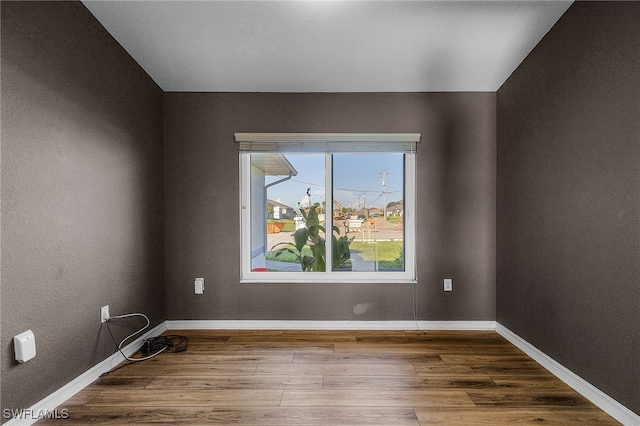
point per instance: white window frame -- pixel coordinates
(329, 144)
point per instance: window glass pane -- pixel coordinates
(287, 212)
(368, 200)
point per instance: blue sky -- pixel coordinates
(357, 179)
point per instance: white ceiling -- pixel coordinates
(328, 46)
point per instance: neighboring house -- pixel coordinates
(396, 210)
(262, 165)
(280, 211)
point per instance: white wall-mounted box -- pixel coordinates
(24, 346)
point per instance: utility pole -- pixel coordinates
(364, 204)
(383, 176)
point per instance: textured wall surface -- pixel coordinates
(568, 215)
(82, 193)
(456, 204)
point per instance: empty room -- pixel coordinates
(320, 212)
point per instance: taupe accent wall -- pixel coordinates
(82, 194)
(568, 190)
(455, 202)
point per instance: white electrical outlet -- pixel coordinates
(104, 313)
(199, 285)
(448, 284)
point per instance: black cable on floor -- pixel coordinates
(151, 347)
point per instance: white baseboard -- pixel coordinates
(584, 388)
(327, 325)
(57, 398)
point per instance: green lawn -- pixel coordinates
(388, 254)
(381, 250)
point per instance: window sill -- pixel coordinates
(327, 280)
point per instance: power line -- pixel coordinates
(335, 187)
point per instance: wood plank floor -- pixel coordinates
(334, 378)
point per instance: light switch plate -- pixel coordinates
(199, 285)
(448, 284)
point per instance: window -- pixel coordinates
(327, 207)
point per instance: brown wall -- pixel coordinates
(568, 215)
(456, 204)
(82, 193)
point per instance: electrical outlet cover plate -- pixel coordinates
(104, 313)
(448, 284)
(199, 285)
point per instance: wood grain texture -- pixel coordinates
(406, 382)
(375, 398)
(278, 377)
(187, 398)
(512, 416)
(296, 381)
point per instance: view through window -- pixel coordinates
(327, 207)
(364, 207)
